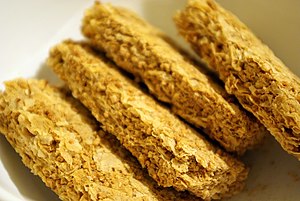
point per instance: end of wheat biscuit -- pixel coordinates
(136, 46)
(61, 142)
(173, 153)
(260, 81)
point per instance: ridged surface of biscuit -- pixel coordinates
(250, 70)
(173, 153)
(143, 50)
(61, 142)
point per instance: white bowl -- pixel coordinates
(29, 28)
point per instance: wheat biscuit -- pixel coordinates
(172, 152)
(61, 142)
(143, 50)
(250, 70)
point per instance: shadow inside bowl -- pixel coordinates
(46, 73)
(30, 186)
(163, 16)
(273, 175)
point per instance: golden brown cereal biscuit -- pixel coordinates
(173, 153)
(143, 50)
(250, 70)
(61, 142)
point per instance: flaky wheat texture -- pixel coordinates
(173, 153)
(141, 49)
(60, 141)
(250, 70)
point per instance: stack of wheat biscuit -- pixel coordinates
(139, 48)
(104, 136)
